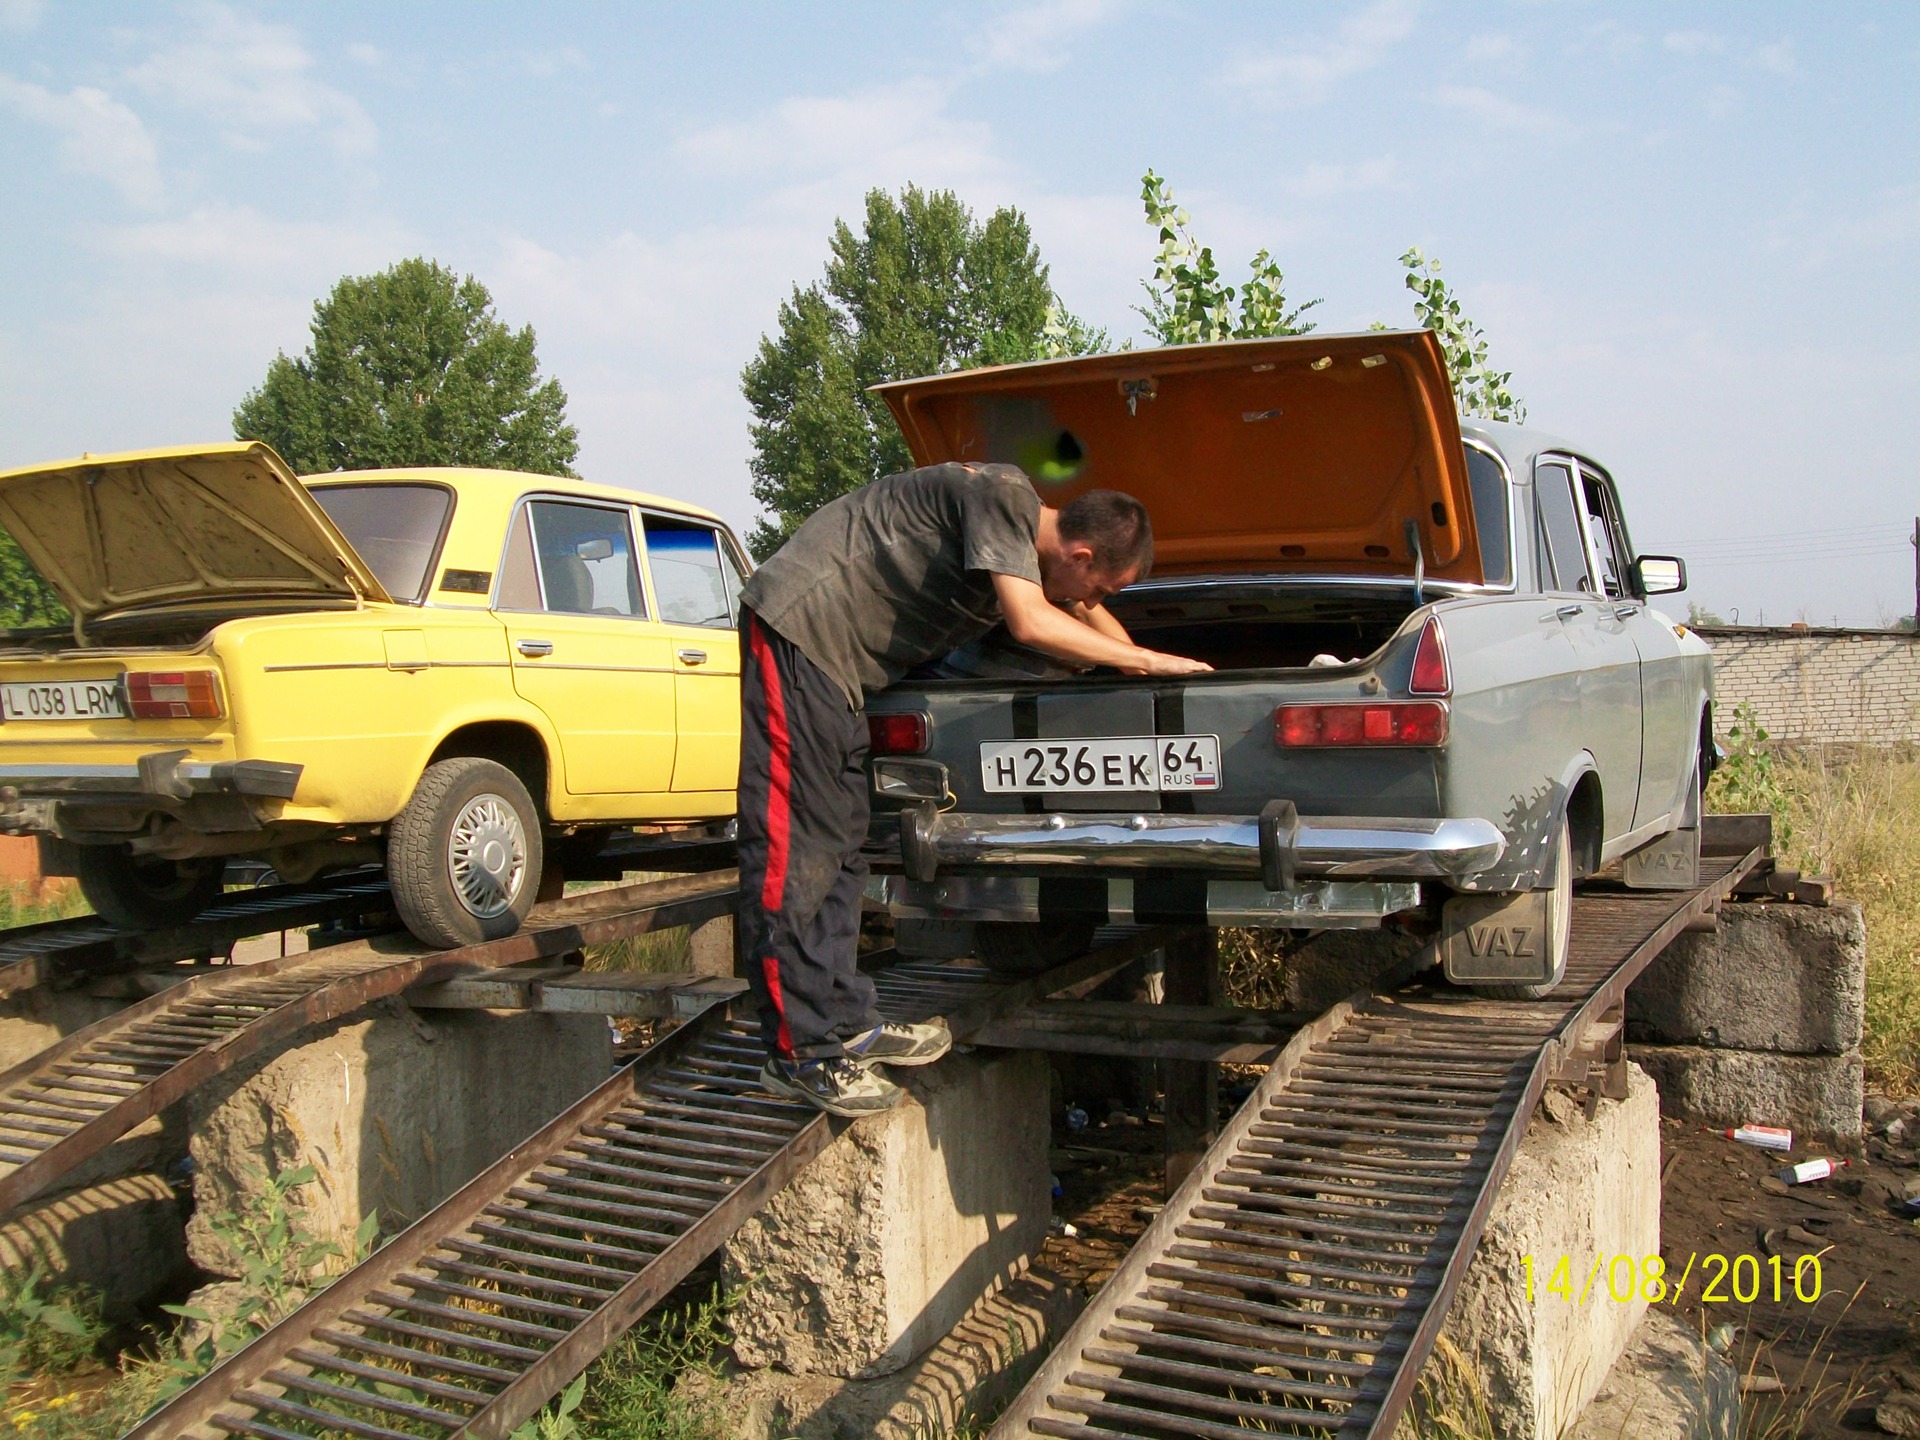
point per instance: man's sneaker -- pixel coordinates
(838, 1086)
(892, 1044)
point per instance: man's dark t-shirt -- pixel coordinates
(900, 571)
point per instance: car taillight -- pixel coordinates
(898, 734)
(173, 695)
(1387, 722)
(1431, 673)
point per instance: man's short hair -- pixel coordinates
(1115, 526)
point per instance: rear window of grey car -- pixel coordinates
(396, 529)
(1492, 517)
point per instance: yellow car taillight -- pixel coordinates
(174, 695)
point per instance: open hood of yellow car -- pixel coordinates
(1311, 453)
(182, 527)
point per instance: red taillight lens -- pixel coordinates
(904, 734)
(1431, 673)
(1392, 722)
(174, 695)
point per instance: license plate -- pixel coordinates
(63, 700)
(1068, 767)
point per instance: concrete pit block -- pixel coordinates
(887, 1239)
(1785, 978)
(1335, 963)
(1585, 1190)
(124, 1239)
(1817, 1095)
(32, 1020)
(1668, 1386)
(395, 1108)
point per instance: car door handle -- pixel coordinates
(692, 657)
(1625, 612)
(1567, 612)
(534, 647)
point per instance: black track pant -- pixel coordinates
(803, 815)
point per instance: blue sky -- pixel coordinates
(1689, 230)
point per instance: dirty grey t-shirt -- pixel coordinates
(900, 571)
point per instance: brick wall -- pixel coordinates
(1816, 686)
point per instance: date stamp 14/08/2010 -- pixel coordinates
(1621, 1279)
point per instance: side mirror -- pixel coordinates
(1659, 574)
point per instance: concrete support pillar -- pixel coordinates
(395, 1108)
(888, 1238)
(1586, 1192)
(710, 948)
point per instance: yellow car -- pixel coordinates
(459, 671)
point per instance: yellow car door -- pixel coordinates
(696, 587)
(583, 647)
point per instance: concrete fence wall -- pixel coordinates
(1818, 686)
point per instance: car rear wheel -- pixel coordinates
(1559, 927)
(464, 856)
(143, 892)
(1027, 947)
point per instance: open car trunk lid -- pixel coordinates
(1311, 454)
(191, 527)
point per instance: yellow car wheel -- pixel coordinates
(141, 892)
(464, 856)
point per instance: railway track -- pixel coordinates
(1298, 1279)
(473, 1318)
(70, 1101)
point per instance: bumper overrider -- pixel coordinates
(163, 778)
(1277, 845)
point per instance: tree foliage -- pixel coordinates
(923, 287)
(1187, 300)
(1478, 388)
(26, 601)
(411, 367)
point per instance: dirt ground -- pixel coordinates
(1834, 1360)
(1814, 1369)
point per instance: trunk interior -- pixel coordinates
(1231, 625)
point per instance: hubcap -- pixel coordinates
(487, 856)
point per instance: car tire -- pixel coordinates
(464, 856)
(1559, 926)
(142, 892)
(1027, 947)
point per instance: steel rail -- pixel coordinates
(474, 1317)
(70, 1101)
(1301, 1274)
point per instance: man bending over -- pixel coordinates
(895, 574)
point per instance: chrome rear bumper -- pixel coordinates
(1275, 845)
(168, 774)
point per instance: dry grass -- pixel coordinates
(1856, 816)
(32, 904)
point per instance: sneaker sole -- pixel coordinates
(776, 1086)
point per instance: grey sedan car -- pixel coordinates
(1440, 691)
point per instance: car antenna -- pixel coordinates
(1412, 531)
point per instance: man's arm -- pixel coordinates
(1101, 619)
(1034, 620)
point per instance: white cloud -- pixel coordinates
(1036, 38)
(98, 135)
(252, 80)
(1487, 49)
(1777, 58)
(238, 239)
(371, 56)
(1694, 42)
(1320, 179)
(1309, 75)
(562, 60)
(1498, 112)
(884, 136)
(21, 14)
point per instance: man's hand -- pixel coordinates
(1034, 620)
